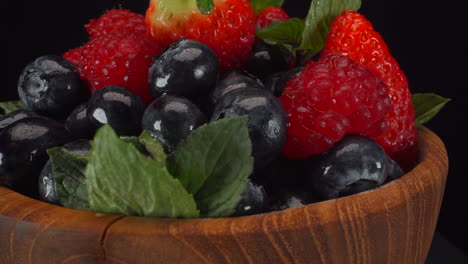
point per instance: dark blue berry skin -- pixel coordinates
(267, 121)
(46, 183)
(353, 165)
(253, 200)
(23, 146)
(12, 117)
(78, 123)
(185, 68)
(291, 199)
(267, 59)
(233, 81)
(119, 107)
(50, 86)
(171, 119)
(276, 83)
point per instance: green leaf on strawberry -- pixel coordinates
(318, 20)
(258, 5)
(205, 6)
(214, 164)
(10, 106)
(427, 105)
(286, 33)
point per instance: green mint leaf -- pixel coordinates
(69, 170)
(258, 5)
(214, 164)
(205, 6)
(154, 148)
(287, 32)
(10, 106)
(318, 20)
(122, 180)
(427, 105)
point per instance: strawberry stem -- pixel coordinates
(205, 6)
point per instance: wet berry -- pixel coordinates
(119, 107)
(46, 183)
(290, 199)
(23, 146)
(51, 86)
(276, 82)
(267, 59)
(355, 164)
(171, 119)
(267, 120)
(234, 81)
(78, 123)
(12, 117)
(185, 68)
(253, 200)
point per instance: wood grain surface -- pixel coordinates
(392, 224)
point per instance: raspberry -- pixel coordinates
(329, 99)
(270, 14)
(117, 20)
(121, 59)
(353, 36)
(73, 55)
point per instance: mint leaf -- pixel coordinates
(214, 164)
(10, 106)
(426, 106)
(205, 6)
(258, 5)
(69, 170)
(287, 32)
(122, 180)
(154, 148)
(318, 20)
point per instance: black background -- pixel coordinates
(422, 35)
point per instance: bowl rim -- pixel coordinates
(432, 166)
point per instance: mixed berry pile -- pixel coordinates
(331, 125)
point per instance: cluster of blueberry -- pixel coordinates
(190, 91)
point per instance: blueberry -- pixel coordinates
(267, 59)
(171, 119)
(355, 164)
(119, 107)
(277, 82)
(290, 199)
(232, 82)
(12, 117)
(23, 146)
(46, 182)
(186, 68)
(267, 121)
(78, 123)
(253, 200)
(51, 86)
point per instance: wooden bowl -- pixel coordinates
(392, 224)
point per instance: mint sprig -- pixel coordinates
(427, 105)
(122, 180)
(258, 5)
(214, 164)
(307, 37)
(10, 106)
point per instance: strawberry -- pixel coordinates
(229, 29)
(269, 15)
(116, 20)
(352, 35)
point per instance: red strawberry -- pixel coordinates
(117, 20)
(271, 14)
(116, 59)
(329, 99)
(229, 30)
(352, 35)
